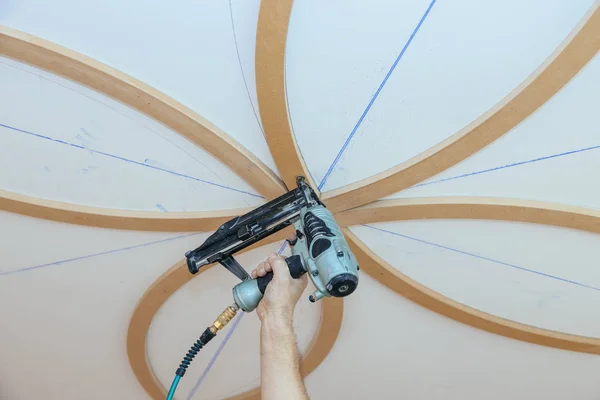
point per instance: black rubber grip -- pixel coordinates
(263, 281)
(295, 265)
(296, 271)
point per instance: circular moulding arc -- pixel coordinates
(563, 64)
(469, 208)
(67, 63)
(175, 278)
(115, 219)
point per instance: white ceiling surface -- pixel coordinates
(64, 323)
(65, 314)
(123, 159)
(466, 56)
(190, 310)
(567, 123)
(186, 50)
(537, 275)
(64, 326)
(390, 348)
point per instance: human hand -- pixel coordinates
(283, 292)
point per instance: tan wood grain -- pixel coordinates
(116, 219)
(566, 61)
(488, 208)
(91, 73)
(271, 36)
(390, 277)
(553, 74)
(469, 208)
(173, 280)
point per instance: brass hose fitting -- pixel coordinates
(224, 318)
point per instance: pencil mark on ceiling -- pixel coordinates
(154, 163)
(137, 246)
(374, 97)
(466, 253)
(115, 110)
(161, 207)
(237, 52)
(85, 142)
(130, 161)
(215, 356)
(223, 343)
(86, 133)
(515, 164)
(287, 106)
(88, 169)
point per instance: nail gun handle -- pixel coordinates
(296, 271)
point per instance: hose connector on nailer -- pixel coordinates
(224, 318)
(210, 332)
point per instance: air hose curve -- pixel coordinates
(196, 347)
(210, 332)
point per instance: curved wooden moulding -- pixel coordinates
(175, 278)
(271, 36)
(470, 208)
(489, 208)
(115, 219)
(566, 61)
(86, 71)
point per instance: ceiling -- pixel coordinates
(130, 130)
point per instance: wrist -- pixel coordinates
(278, 318)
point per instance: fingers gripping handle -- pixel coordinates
(263, 281)
(296, 271)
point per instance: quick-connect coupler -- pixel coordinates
(224, 318)
(210, 332)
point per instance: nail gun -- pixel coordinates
(319, 249)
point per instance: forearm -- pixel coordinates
(280, 360)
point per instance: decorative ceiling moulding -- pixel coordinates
(128, 90)
(382, 211)
(158, 293)
(488, 208)
(469, 208)
(581, 45)
(115, 219)
(271, 37)
(566, 61)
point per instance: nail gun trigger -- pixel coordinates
(234, 267)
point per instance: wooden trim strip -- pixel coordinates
(175, 278)
(568, 59)
(271, 37)
(470, 208)
(115, 219)
(489, 208)
(89, 72)
(390, 277)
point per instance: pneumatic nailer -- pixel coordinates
(319, 249)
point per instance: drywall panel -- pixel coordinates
(455, 61)
(62, 141)
(533, 274)
(76, 288)
(186, 50)
(66, 296)
(244, 20)
(551, 156)
(190, 310)
(390, 348)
